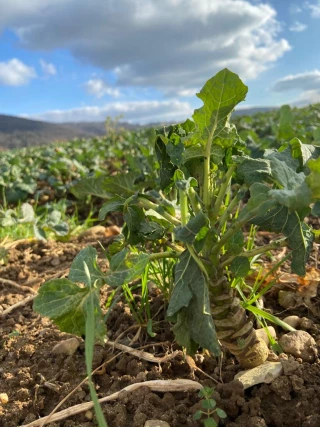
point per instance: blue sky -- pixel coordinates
(72, 60)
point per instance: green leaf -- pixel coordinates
(197, 415)
(190, 307)
(235, 244)
(106, 187)
(39, 232)
(303, 152)
(206, 392)
(316, 209)
(77, 272)
(61, 229)
(209, 404)
(113, 205)
(220, 95)
(66, 304)
(175, 152)
(210, 422)
(240, 266)
(126, 266)
(123, 184)
(134, 218)
(167, 168)
(28, 214)
(253, 170)
(259, 202)
(151, 230)
(221, 414)
(286, 130)
(188, 233)
(313, 179)
(54, 218)
(157, 217)
(197, 151)
(91, 186)
(300, 237)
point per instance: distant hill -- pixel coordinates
(17, 132)
(253, 110)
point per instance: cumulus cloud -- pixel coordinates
(100, 88)
(166, 45)
(307, 97)
(315, 9)
(298, 27)
(309, 80)
(133, 112)
(15, 73)
(48, 68)
(306, 84)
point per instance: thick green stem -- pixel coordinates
(183, 201)
(147, 204)
(207, 184)
(257, 251)
(193, 198)
(222, 194)
(225, 216)
(166, 254)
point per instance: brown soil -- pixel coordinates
(36, 380)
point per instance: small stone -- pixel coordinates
(55, 262)
(293, 321)
(4, 399)
(299, 344)
(112, 230)
(67, 347)
(286, 299)
(156, 423)
(262, 334)
(306, 324)
(93, 232)
(289, 366)
(264, 373)
(89, 415)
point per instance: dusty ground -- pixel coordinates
(36, 380)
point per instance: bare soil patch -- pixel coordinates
(36, 380)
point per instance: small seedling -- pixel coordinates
(209, 409)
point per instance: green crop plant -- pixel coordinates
(208, 191)
(209, 409)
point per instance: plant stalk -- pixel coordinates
(222, 194)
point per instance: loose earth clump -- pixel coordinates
(36, 379)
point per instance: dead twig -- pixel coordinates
(143, 354)
(16, 286)
(17, 305)
(162, 386)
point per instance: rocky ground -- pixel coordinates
(40, 366)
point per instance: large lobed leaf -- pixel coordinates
(189, 308)
(220, 95)
(66, 304)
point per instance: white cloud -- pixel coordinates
(306, 84)
(15, 73)
(133, 112)
(309, 80)
(298, 27)
(99, 88)
(165, 45)
(307, 97)
(48, 68)
(294, 8)
(315, 9)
